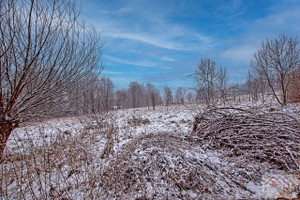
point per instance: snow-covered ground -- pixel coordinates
(125, 154)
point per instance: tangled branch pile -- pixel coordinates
(264, 138)
(168, 166)
(138, 121)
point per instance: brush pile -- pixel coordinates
(265, 138)
(168, 166)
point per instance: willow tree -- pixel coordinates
(44, 51)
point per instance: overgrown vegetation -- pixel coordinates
(217, 157)
(265, 137)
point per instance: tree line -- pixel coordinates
(274, 70)
(99, 95)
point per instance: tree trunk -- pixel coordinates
(5, 131)
(153, 100)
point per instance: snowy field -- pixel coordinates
(141, 154)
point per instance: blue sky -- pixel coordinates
(162, 41)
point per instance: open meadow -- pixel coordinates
(175, 152)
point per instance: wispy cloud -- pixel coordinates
(143, 38)
(175, 38)
(156, 38)
(135, 63)
(110, 72)
(239, 54)
(137, 24)
(281, 21)
(228, 10)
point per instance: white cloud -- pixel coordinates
(281, 21)
(241, 54)
(136, 24)
(142, 38)
(135, 63)
(228, 10)
(110, 72)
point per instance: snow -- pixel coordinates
(152, 143)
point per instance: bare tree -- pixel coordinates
(235, 92)
(107, 93)
(149, 90)
(85, 97)
(222, 84)
(151, 93)
(205, 77)
(180, 95)
(276, 60)
(190, 97)
(294, 89)
(121, 99)
(262, 86)
(156, 99)
(252, 87)
(88, 95)
(168, 95)
(136, 94)
(153, 99)
(256, 86)
(44, 51)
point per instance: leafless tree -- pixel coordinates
(222, 84)
(294, 88)
(44, 51)
(151, 93)
(168, 95)
(180, 95)
(262, 86)
(205, 77)
(84, 97)
(256, 86)
(136, 94)
(235, 92)
(153, 99)
(156, 99)
(87, 95)
(107, 93)
(252, 87)
(190, 97)
(121, 99)
(276, 60)
(149, 90)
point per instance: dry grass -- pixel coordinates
(228, 148)
(60, 167)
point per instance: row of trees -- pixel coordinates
(138, 95)
(98, 95)
(275, 69)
